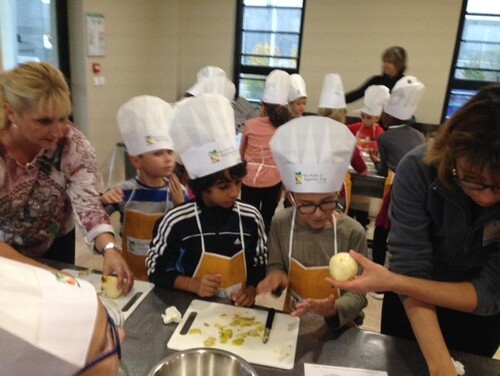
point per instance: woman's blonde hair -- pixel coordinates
(338, 114)
(33, 84)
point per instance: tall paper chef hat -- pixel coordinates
(209, 72)
(376, 97)
(297, 87)
(276, 87)
(404, 98)
(312, 154)
(204, 134)
(144, 123)
(332, 92)
(47, 320)
(217, 85)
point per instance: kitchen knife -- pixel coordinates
(269, 325)
(131, 302)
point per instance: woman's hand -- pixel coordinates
(176, 190)
(275, 281)
(324, 307)
(375, 277)
(244, 298)
(112, 196)
(114, 263)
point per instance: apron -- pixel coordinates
(137, 234)
(261, 166)
(383, 219)
(307, 282)
(233, 269)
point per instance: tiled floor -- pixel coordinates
(372, 312)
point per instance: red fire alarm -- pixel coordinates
(96, 68)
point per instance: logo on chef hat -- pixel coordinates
(299, 177)
(150, 140)
(64, 278)
(215, 156)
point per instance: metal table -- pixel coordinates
(146, 340)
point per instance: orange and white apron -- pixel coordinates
(307, 282)
(233, 269)
(137, 233)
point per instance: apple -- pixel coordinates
(109, 285)
(343, 267)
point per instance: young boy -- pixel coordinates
(312, 154)
(367, 131)
(214, 245)
(144, 123)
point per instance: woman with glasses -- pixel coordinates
(312, 154)
(445, 240)
(54, 324)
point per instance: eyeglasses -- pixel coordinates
(467, 185)
(325, 206)
(117, 350)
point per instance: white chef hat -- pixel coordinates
(143, 123)
(217, 85)
(297, 87)
(332, 92)
(312, 154)
(210, 71)
(47, 320)
(404, 98)
(276, 87)
(375, 98)
(204, 134)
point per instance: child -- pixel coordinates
(368, 130)
(394, 144)
(297, 98)
(143, 123)
(312, 154)
(262, 186)
(214, 245)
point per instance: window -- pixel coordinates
(268, 36)
(34, 30)
(476, 62)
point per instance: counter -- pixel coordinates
(146, 344)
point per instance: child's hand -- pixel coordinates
(176, 190)
(112, 196)
(207, 285)
(324, 307)
(274, 281)
(375, 156)
(244, 298)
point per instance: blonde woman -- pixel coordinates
(47, 173)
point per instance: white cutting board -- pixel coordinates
(278, 352)
(140, 287)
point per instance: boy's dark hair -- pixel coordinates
(277, 113)
(199, 185)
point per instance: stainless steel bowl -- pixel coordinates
(203, 362)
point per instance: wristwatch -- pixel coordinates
(109, 246)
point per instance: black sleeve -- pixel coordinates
(355, 94)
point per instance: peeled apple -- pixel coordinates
(109, 285)
(343, 267)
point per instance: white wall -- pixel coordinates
(156, 47)
(348, 36)
(141, 58)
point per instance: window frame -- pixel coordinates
(240, 69)
(462, 84)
